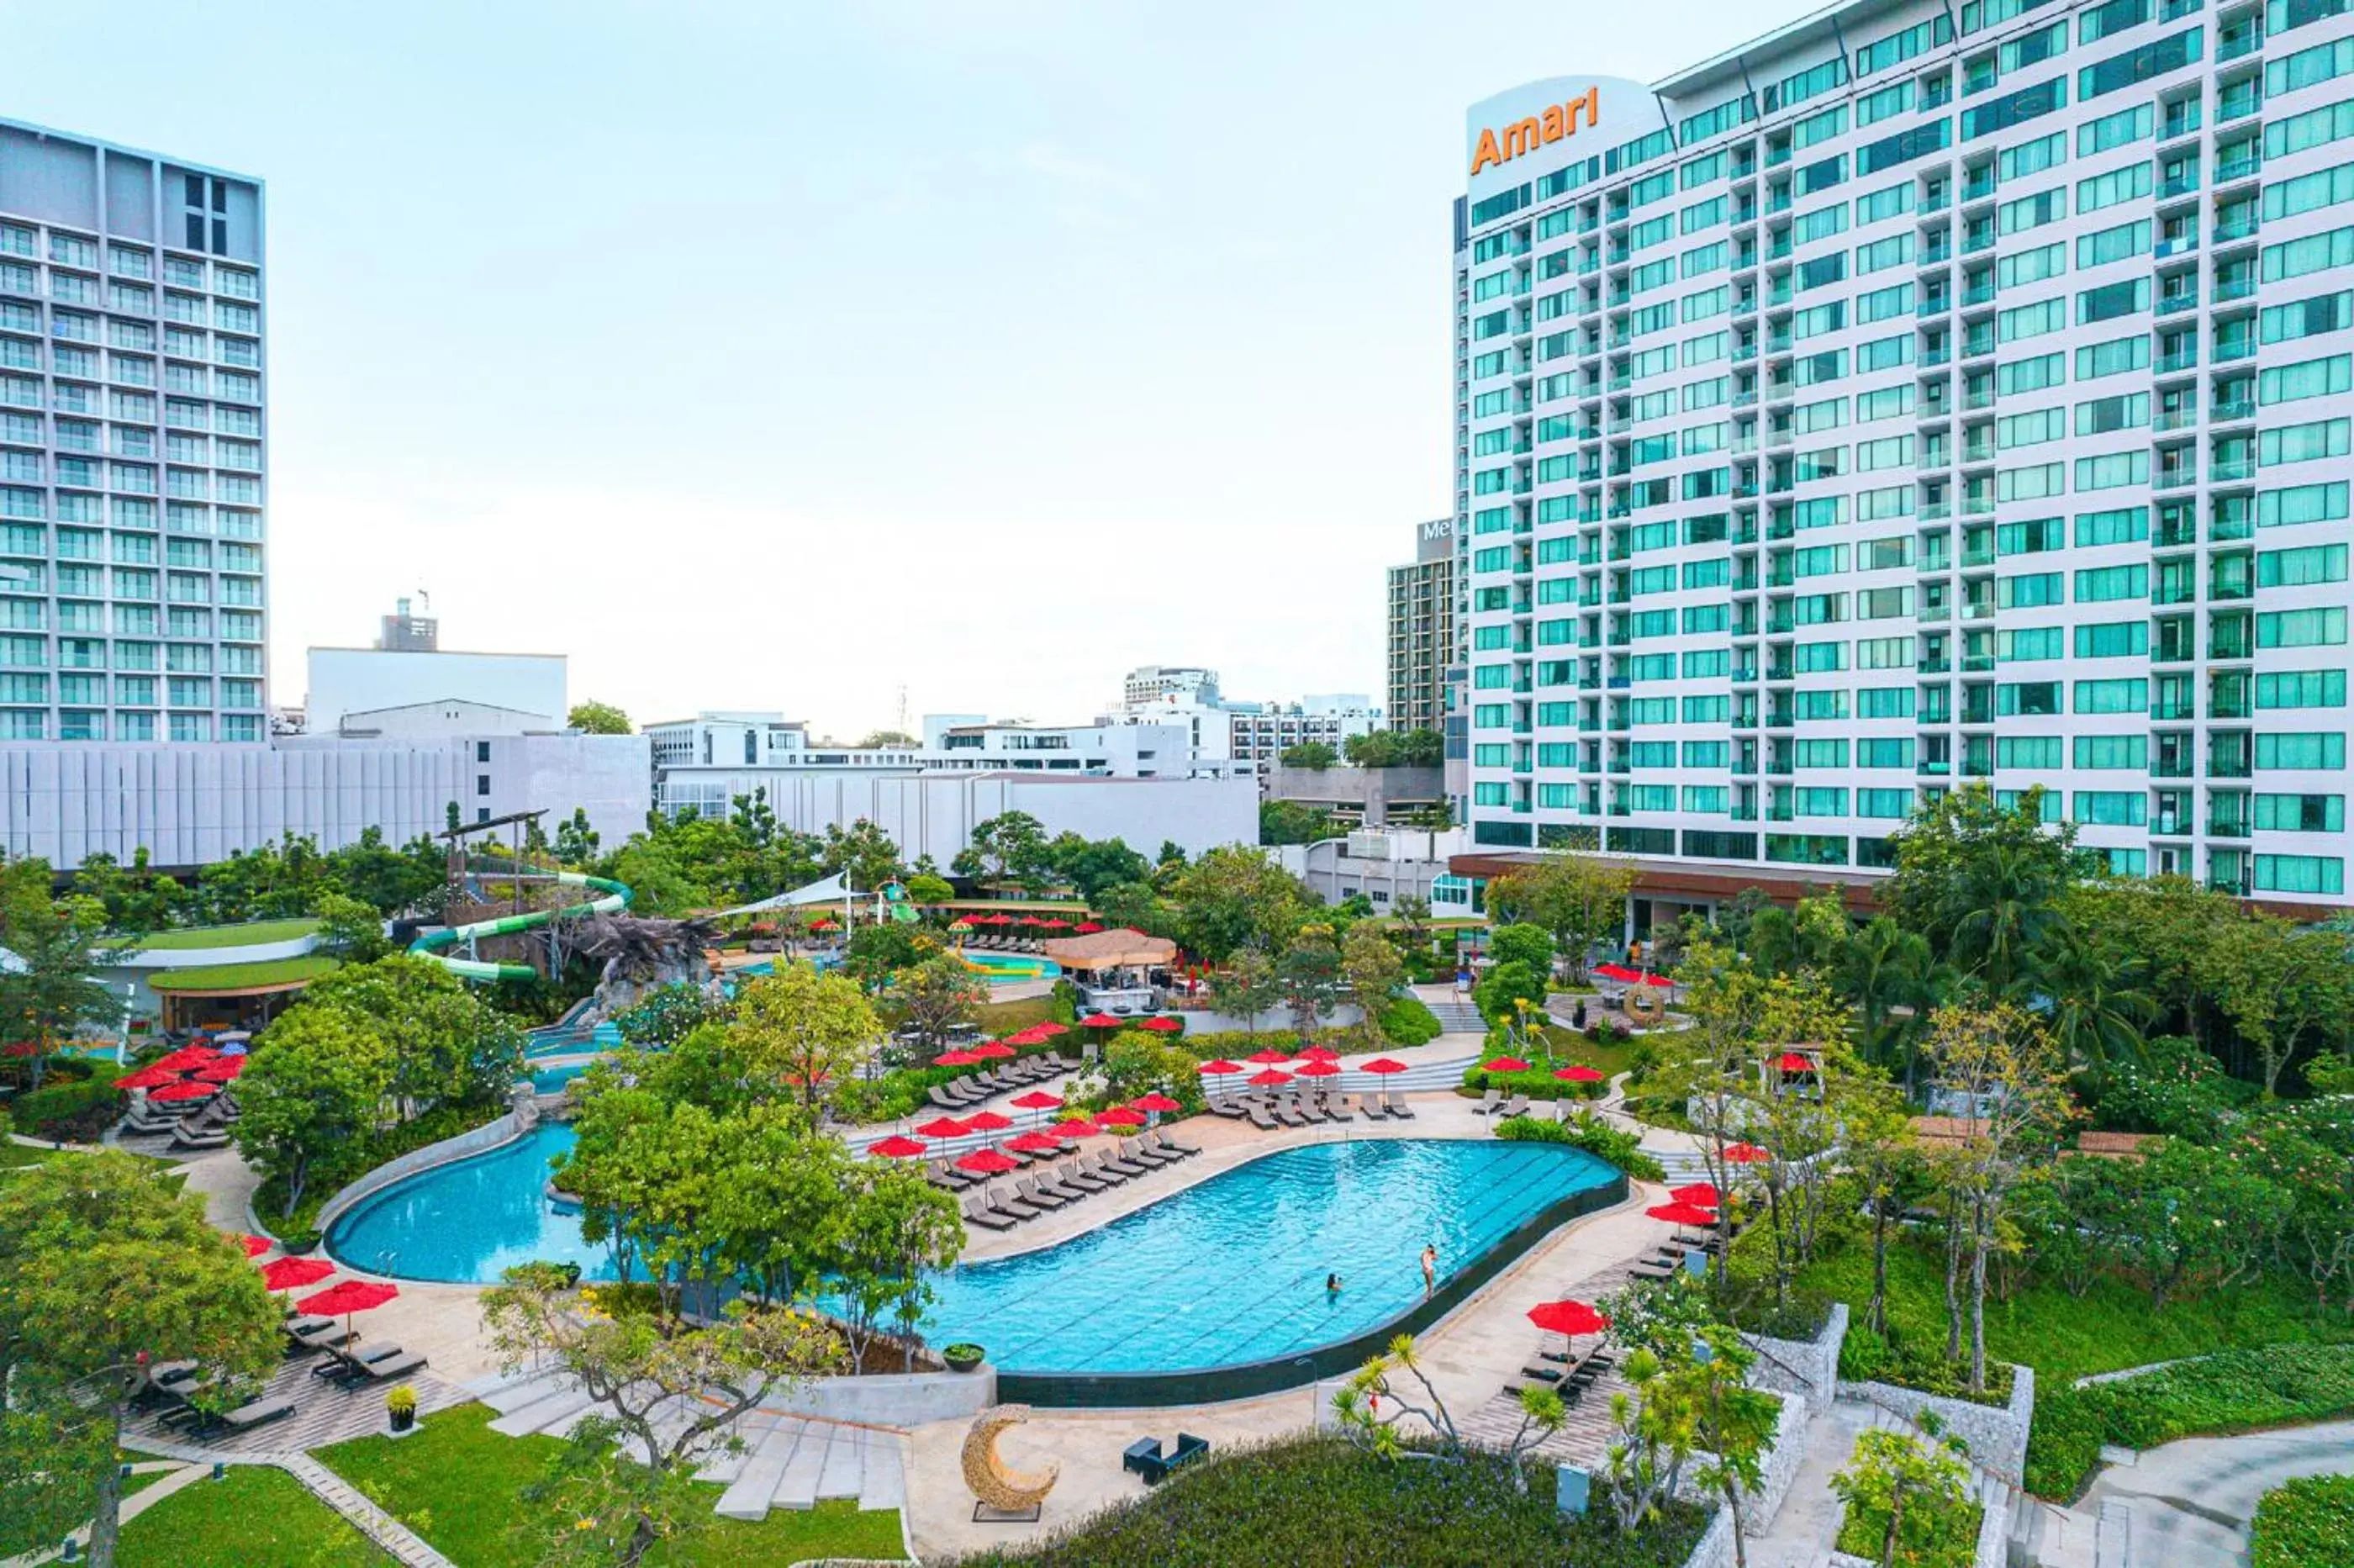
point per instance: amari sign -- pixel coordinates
(1537, 128)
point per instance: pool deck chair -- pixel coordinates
(1395, 1103)
(976, 1209)
(1517, 1105)
(1488, 1102)
(1263, 1119)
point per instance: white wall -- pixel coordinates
(356, 679)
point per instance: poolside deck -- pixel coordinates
(323, 1415)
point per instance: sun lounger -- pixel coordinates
(1264, 1118)
(1096, 1165)
(1395, 1103)
(1169, 1142)
(1014, 1206)
(1027, 1188)
(1221, 1105)
(1488, 1103)
(1078, 1178)
(391, 1367)
(1287, 1111)
(1565, 1109)
(1145, 1457)
(1121, 1163)
(1137, 1153)
(1517, 1105)
(1058, 1178)
(976, 1209)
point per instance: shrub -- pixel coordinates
(1406, 1022)
(402, 1401)
(1538, 1083)
(2307, 1521)
(76, 1110)
(2232, 1390)
(2175, 1087)
(1592, 1134)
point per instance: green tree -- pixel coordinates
(1394, 748)
(1309, 974)
(1133, 904)
(1290, 823)
(1412, 913)
(775, 1209)
(1982, 882)
(310, 1097)
(137, 900)
(1010, 848)
(1890, 977)
(1246, 987)
(670, 1396)
(895, 1230)
(598, 718)
(52, 990)
(807, 1030)
(1091, 865)
(1908, 1504)
(877, 952)
(444, 1043)
(1314, 755)
(348, 928)
(1504, 987)
(877, 739)
(1234, 897)
(1371, 970)
(935, 998)
(929, 891)
(1731, 1423)
(576, 841)
(863, 852)
(1580, 898)
(1528, 946)
(106, 1270)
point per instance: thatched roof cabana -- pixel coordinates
(1117, 949)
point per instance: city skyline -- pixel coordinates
(508, 406)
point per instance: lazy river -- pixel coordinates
(1227, 1271)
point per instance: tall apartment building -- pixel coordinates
(1422, 629)
(1910, 397)
(132, 494)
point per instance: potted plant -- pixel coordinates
(962, 1357)
(400, 1405)
(299, 1244)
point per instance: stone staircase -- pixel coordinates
(786, 1461)
(1456, 1017)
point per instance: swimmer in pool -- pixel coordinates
(1429, 1270)
(1331, 1284)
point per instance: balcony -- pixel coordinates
(2232, 44)
(2235, 408)
(2235, 228)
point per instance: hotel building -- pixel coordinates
(1916, 397)
(1422, 629)
(132, 412)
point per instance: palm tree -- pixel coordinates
(2097, 1008)
(1892, 978)
(2010, 916)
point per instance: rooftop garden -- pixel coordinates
(252, 934)
(227, 979)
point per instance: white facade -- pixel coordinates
(346, 680)
(132, 569)
(191, 805)
(1916, 396)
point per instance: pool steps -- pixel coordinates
(787, 1461)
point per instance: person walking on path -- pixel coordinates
(1429, 1270)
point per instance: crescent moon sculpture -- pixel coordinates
(1007, 1491)
(1644, 1004)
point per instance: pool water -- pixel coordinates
(552, 1080)
(1232, 1269)
(466, 1222)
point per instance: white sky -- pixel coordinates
(786, 355)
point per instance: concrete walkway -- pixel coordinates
(1809, 1524)
(2192, 1500)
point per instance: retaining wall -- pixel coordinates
(1779, 1470)
(1995, 1436)
(1802, 1366)
(898, 1399)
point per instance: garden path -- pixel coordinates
(2192, 1500)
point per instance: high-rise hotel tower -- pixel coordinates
(1913, 397)
(131, 445)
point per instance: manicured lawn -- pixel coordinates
(205, 979)
(255, 1517)
(1322, 1502)
(2305, 1521)
(456, 1484)
(2237, 1390)
(253, 933)
(1001, 1018)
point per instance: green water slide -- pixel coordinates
(613, 898)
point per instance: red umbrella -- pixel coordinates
(21, 1048)
(987, 1121)
(956, 1059)
(147, 1078)
(1086, 928)
(898, 1148)
(1579, 1075)
(1267, 1058)
(1099, 1021)
(1121, 1115)
(1321, 1069)
(1162, 1025)
(255, 1245)
(1568, 1317)
(1384, 1065)
(352, 1296)
(1704, 1193)
(183, 1092)
(1036, 1143)
(1791, 1062)
(991, 1050)
(1268, 1077)
(1047, 1028)
(1746, 1154)
(1155, 1101)
(1319, 1053)
(988, 1162)
(1682, 1214)
(1052, 923)
(1075, 1126)
(287, 1273)
(1220, 1067)
(185, 1057)
(225, 1071)
(1037, 1099)
(1504, 1064)
(943, 1127)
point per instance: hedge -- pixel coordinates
(74, 1109)
(1538, 1083)
(1590, 1133)
(1406, 1022)
(2303, 1522)
(2232, 1390)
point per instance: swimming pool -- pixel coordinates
(465, 1222)
(1211, 1292)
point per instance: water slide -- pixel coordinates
(614, 898)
